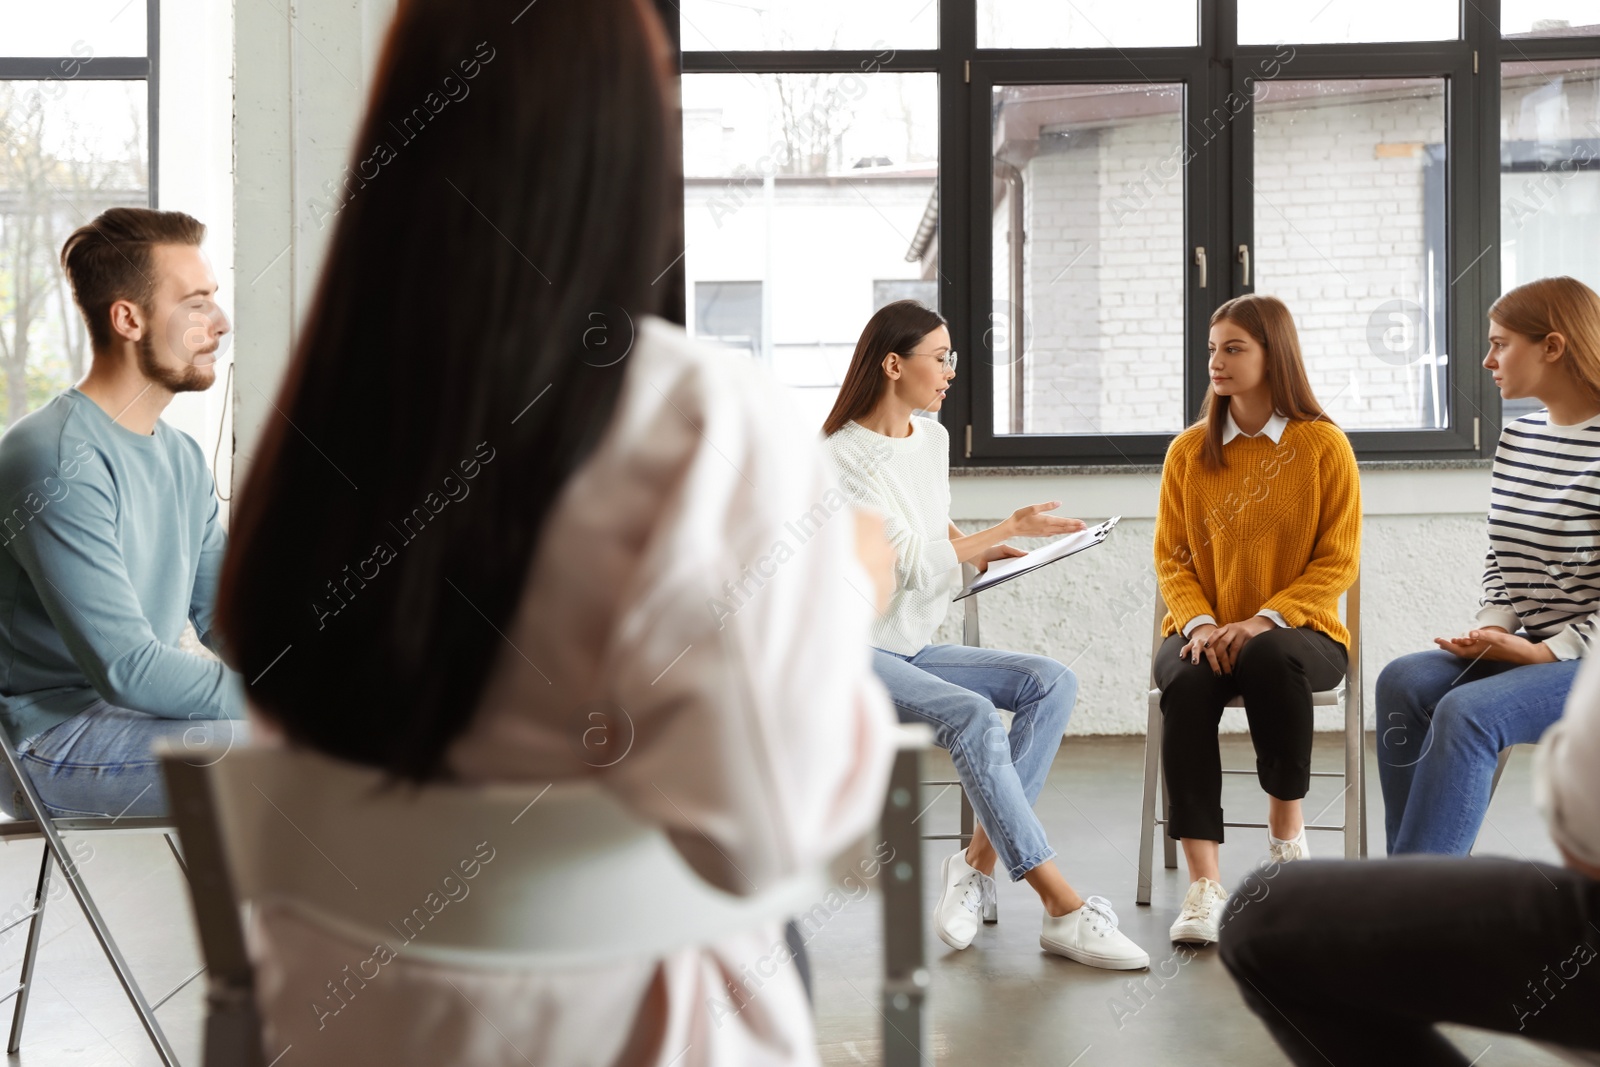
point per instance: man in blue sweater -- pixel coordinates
(109, 525)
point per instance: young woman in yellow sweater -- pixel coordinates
(1258, 532)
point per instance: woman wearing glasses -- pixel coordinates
(896, 461)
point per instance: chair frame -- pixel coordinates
(233, 1026)
(970, 638)
(41, 824)
(1346, 696)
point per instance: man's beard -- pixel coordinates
(190, 379)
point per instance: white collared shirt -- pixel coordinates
(1230, 429)
(1273, 429)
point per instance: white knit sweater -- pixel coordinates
(907, 480)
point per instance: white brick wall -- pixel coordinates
(1339, 232)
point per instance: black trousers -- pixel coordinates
(1276, 672)
(1352, 963)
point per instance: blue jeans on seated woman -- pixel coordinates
(1441, 723)
(101, 762)
(956, 690)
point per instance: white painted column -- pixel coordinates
(302, 71)
(196, 177)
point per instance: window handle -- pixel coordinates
(1244, 258)
(1200, 261)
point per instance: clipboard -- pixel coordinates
(1003, 570)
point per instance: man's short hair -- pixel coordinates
(110, 259)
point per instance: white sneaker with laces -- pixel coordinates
(1201, 918)
(1288, 851)
(955, 918)
(1090, 935)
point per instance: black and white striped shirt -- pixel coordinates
(1542, 573)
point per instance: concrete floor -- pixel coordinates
(1003, 1001)
(1000, 1002)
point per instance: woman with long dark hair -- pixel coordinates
(511, 526)
(1258, 534)
(896, 462)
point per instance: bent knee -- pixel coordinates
(1460, 715)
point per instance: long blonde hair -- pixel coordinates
(1558, 305)
(1268, 322)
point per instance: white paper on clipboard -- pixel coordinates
(1003, 570)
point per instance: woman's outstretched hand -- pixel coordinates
(997, 552)
(1035, 521)
(1495, 643)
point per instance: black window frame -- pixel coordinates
(146, 68)
(1218, 209)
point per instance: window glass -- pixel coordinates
(814, 191)
(73, 149)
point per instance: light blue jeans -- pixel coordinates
(99, 762)
(956, 690)
(1441, 724)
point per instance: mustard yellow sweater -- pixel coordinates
(1279, 528)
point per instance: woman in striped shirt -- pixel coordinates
(1444, 716)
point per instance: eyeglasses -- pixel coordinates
(948, 360)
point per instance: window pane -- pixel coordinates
(771, 25)
(81, 29)
(1350, 234)
(1549, 177)
(814, 190)
(1348, 21)
(73, 150)
(1086, 334)
(1549, 18)
(1088, 24)
(730, 314)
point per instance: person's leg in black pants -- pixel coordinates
(1192, 698)
(1276, 673)
(1354, 963)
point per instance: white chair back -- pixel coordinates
(541, 876)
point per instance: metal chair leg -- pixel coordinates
(906, 979)
(1353, 758)
(1147, 818)
(968, 820)
(30, 953)
(55, 847)
(1499, 769)
(1363, 792)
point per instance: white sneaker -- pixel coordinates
(1201, 918)
(955, 918)
(1295, 848)
(1090, 935)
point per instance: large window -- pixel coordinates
(76, 124)
(1076, 187)
(804, 192)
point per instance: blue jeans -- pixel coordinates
(99, 762)
(1441, 724)
(956, 689)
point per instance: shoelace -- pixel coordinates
(1286, 852)
(972, 895)
(1199, 907)
(1102, 907)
